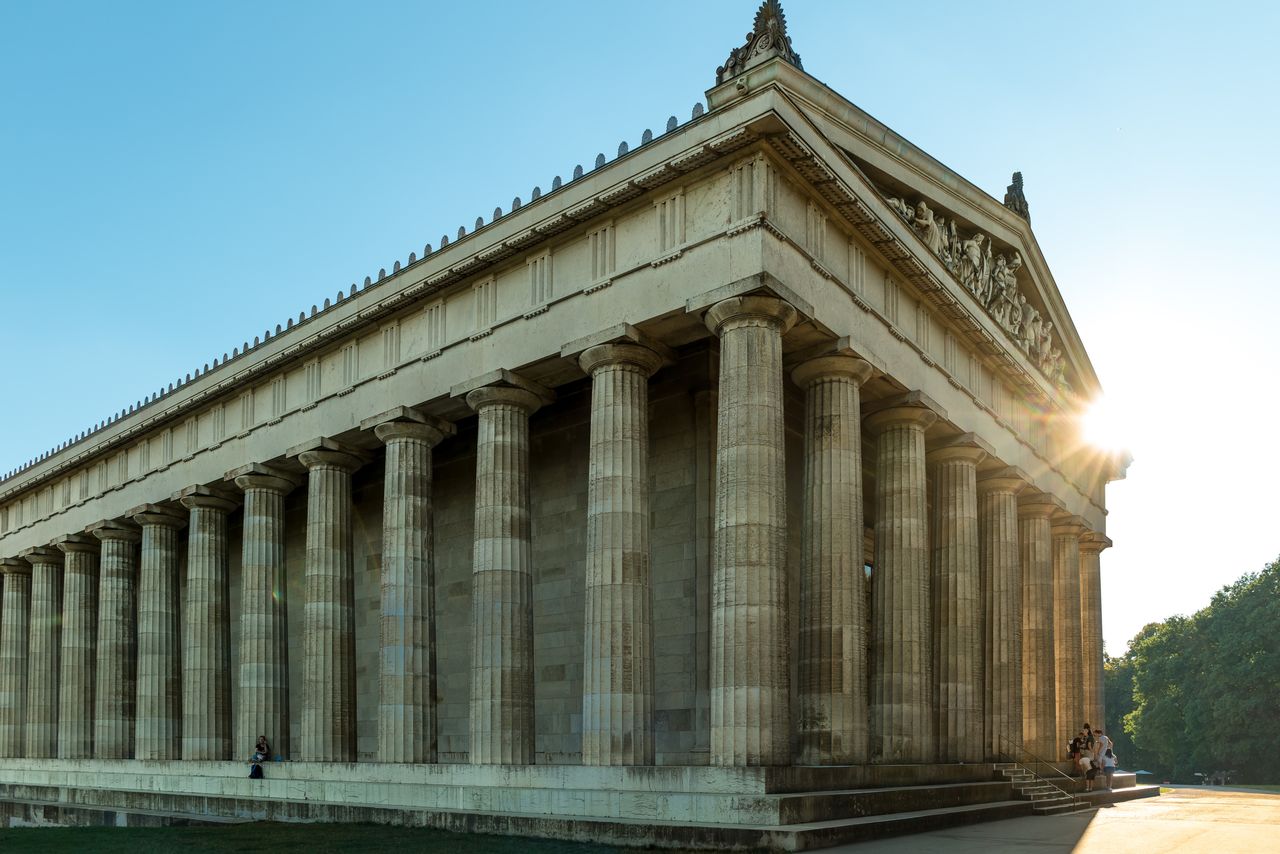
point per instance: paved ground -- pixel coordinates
(1185, 820)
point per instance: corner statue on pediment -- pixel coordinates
(768, 38)
(1015, 200)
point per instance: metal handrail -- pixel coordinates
(1005, 741)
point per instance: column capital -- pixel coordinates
(14, 566)
(1007, 479)
(42, 555)
(404, 422)
(914, 407)
(322, 452)
(609, 355)
(69, 543)
(115, 529)
(496, 395)
(824, 367)
(1068, 526)
(501, 380)
(1091, 542)
(158, 514)
(742, 311)
(259, 476)
(966, 446)
(203, 496)
(1038, 505)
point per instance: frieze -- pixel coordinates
(992, 279)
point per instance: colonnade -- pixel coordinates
(984, 632)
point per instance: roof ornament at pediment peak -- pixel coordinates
(768, 39)
(1015, 200)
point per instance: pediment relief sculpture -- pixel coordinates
(992, 279)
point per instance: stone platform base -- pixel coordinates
(782, 809)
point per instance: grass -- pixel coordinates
(275, 837)
(1260, 788)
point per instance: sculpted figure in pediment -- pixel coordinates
(972, 274)
(927, 228)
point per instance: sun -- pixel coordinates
(1104, 426)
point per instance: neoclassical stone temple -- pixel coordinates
(736, 470)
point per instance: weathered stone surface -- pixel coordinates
(406, 679)
(159, 704)
(15, 586)
(1069, 687)
(617, 694)
(263, 666)
(1001, 571)
(41, 731)
(206, 628)
(1040, 735)
(750, 670)
(79, 646)
(502, 726)
(901, 640)
(115, 694)
(1091, 547)
(328, 649)
(957, 600)
(831, 722)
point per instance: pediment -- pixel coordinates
(983, 246)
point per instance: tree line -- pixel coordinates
(1201, 694)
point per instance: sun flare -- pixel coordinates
(1104, 426)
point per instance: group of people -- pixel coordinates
(1091, 752)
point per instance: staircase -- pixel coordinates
(1050, 791)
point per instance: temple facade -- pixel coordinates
(753, 449)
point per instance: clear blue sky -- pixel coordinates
(179, 177)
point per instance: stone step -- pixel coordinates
(803, 807)
(816, 835)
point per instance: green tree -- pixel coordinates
(1205, 690)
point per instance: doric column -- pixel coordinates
(114, 694)
(206, 628)
(901, 638)
(41, 732)
(1002, 600)
(156, 733)
(15, 580)
(328, 615)
(957, 599)
(263, 668)
(617, 691)
(406, 707)
(79, 643)
(502, 731)
(1040, 735)
(832, 672)
(750, 656)
(1091, 548)
(1066, 626)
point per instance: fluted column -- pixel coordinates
(901, 637)
(79, 646)
(502, 730)
(206, 628)
(832, 671)
(115, 698)
(406, 707)
(1040, 733)
(957, 600)
(263, 668)
(41, 732)
(750, 666)
(1091, 548)
(1002, 604)
(15, 581)
(328, 634)
(159, 707)
(1066, 627)
(617, 692)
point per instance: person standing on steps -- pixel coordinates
(1109, 766)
